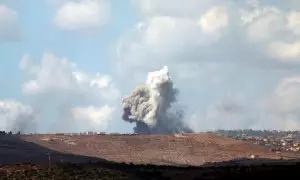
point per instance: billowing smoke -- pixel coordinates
(17, 117)
(150, 106)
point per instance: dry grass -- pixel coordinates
(188, 149)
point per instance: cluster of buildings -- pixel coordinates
(277, 141)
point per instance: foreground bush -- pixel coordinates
(116, 171)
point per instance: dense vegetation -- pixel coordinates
(123, 171)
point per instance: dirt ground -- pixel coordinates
(187, 149)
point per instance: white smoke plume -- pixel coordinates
(17, 117)
(149, 106)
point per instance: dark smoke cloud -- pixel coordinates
(150, 106)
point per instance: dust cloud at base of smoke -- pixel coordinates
(150, 106)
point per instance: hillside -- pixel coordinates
(187, 149)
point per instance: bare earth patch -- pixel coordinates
(178, 149)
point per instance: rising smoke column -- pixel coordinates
(149, 106)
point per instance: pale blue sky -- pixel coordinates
(247, 57)
(89, 51)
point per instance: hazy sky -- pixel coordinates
(66, 64)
